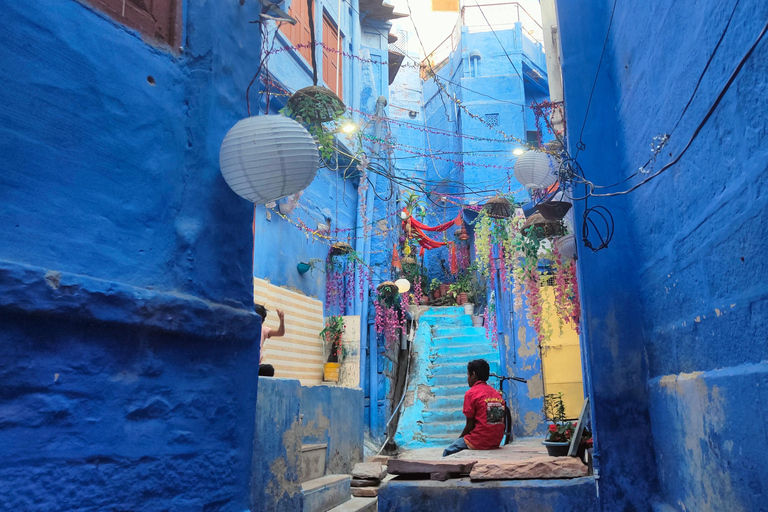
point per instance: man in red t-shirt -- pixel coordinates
(484, 409)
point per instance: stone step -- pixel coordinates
(324, 493)
(358, 505)
(443, 428)
(447, 414)
(443, 332)
(445, 311)
(312, 461)
(478, 352)
(458, 339)
(436, 382)
(457, 368)
(442, 401)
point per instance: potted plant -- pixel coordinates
(558, 438)
(331, 334)
(434, 288)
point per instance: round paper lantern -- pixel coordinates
(403, 285)
(266, 158)
(566, 245)
(535, 169)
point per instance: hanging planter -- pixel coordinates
(499, 207)
(387, 289)
(535, 169)
(554, 210)
(566, 245)
(266, 158)
(408, 260)
(549, 228)
(340, 249)
(303, 268)
(315, 105)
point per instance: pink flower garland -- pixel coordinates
(535, 309)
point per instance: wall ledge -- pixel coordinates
(38, 291)
(671, 380)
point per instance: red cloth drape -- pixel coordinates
(427, 243)
(442, 227)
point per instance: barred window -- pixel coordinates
(157, 19)
(492, 119)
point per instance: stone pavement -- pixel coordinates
(522, 448)
(526, 458)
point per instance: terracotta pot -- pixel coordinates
(461, 299)
(436, 294)
(444, 288)
(424, 300)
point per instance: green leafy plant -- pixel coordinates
(560, 431)
(331, 334)
(434, 285)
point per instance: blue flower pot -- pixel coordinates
(303, 268)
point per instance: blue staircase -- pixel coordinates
(445, 342)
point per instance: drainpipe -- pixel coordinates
(373, 349)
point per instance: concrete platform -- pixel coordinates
(522, 448)
(462, 495)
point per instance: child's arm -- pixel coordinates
(280, 330)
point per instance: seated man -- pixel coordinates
(267, 370)
(484, 409)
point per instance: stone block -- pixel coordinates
(365, 482)
(365, 492)
(369, 470)
(539, 467)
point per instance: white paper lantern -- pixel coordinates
(566, 245)
(535, 169)
(266, 158)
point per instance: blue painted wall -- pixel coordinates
(674, 347)
(290, 415)
(570, 495)
(480, 75)
(127, 335)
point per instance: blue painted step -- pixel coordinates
(456, 368)
(443, 428)
(478, 333)
(454, 414)
(326, 492)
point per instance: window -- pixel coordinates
(333, 62)
(157, 19)
(299, 34)
(492, 119)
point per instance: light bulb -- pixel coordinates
(518, 151)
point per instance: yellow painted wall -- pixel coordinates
(561, 359)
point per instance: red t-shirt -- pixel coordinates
(485, 405)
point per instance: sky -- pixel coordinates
(434, 27)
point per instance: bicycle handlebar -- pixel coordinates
(518, 379)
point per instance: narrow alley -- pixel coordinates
(393, 255)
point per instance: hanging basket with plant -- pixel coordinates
(315, 105)
(499, 207)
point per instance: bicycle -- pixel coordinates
(508, 435)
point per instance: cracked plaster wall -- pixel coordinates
(126, 332)
(289, 415)
(675, 308)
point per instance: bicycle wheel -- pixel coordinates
(508, 435)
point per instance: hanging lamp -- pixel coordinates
(535, 169)
(266, 158)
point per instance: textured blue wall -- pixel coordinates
(127, 335)
(574, 495)
(674, 345)
(289, 415)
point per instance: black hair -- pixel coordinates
(480, 368)
(261, 311)
(266, 370)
